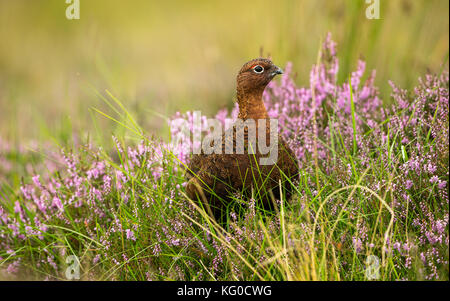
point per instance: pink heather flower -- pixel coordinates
(14, 228)
(156, 249)
(27, 191)
(118, 145)
(77, 181)
(57, 203)
(130, 234)
(13, 267)
(107, 183)
(434, 179)
(42, 229)
(440, 226)
(17, 208)
(3, 216)
(121, 179)
(397, 246)
(357, 244)
(96, 259)
(96, 171)
(142, 149)
(408, 184)
(431, 168)
(36, 180)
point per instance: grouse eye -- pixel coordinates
(258, 69)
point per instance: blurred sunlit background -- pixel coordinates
(159, 57)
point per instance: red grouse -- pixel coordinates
(214, 178)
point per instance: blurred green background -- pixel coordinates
(168, 56)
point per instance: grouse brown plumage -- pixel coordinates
(213, 178)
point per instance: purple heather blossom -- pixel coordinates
(434, 179)
(408, 184)
(130, 234)
(57, 203)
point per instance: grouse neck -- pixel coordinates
(251, 106)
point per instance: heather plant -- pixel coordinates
(373, 182)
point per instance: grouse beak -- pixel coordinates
(277, 70)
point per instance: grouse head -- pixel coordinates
(252, 79)
(256, 74)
